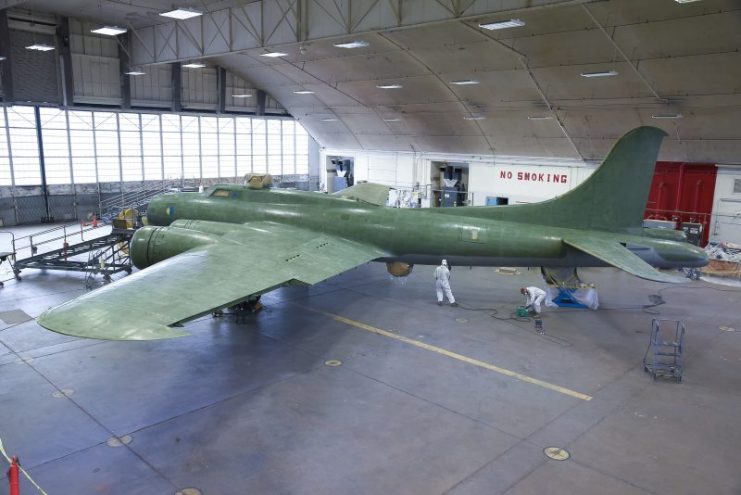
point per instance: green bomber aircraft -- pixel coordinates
(212, 250)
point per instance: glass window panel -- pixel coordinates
(84, 170)
(152, 168)
(151, 144)
(275, 151)
(209, 124)
(27, 171)
(132, 168)
(173, 167)
(289, 147)
(105, 121)
(210, 144)
(189, 124)
(106, 143)
(171, 144)
(226, 124)
(130, 143)
(57, 170)
(53, 118)
(210, 166)
(55, 143)
(5, 179)
(82, 144)
(170, 123)
(259, 164)
(20, 116)
(128, 121)
(80, 120)
(24, 142)
(191, 167)
(190, 145)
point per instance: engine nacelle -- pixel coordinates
(154, 244)
(399, 268)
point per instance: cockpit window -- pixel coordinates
(221, 193)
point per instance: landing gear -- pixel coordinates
(240, 311)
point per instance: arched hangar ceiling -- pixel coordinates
(670, 59)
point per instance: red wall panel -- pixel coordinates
(683, 192)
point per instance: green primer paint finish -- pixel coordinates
(211, 250)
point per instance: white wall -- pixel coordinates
(488, 176)
(725, 224)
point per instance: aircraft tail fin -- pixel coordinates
(613, 198)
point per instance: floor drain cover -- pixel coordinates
(333, 362)
(556, 453)
(118, 441)
(189, 491)
(727, 329)
(65, 392)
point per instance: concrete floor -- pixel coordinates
(253, 408)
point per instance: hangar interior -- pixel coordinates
(361, 383)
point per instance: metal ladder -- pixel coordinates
(663, 356)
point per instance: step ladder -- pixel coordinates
(663, 356)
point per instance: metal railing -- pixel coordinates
(32, 242)
(111, 207)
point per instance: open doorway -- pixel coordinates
(449, 184)
(340, 174)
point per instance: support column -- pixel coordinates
(221, 88)
(123, 67)
(5, 65)
(44, 188)
(65, 63)
(260, 103)
(177, 87)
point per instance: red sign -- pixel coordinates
(534, 177)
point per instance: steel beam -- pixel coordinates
(65, 58)
(124, 67)
(176, 81)
(271, 23)
(6, 74)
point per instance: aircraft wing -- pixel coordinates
(260, 257)
(621, 257)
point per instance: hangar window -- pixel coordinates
(24, 145)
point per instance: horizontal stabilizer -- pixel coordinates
(375, 194)
(621, 257)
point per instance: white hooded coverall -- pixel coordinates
(535, 297)
(442, 283)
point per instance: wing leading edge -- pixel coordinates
(261, 257)
(621, 257)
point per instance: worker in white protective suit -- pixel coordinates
(535, 298)
(442, 284)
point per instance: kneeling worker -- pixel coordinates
(442, 284)
(535, 297)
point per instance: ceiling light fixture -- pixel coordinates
(604, 73)
(329, 119)
(194, 65)
(40, 47)
(539, 117)
(474, 117)
(668, 116)
(3, 57)
(303, 92)
(686, 1)
(392, 120)
(135, 73)
(181, 14)
(465, 82)
(109, 30)
(493, 26)
(242, 95)
(273, 54)
(389, 86)
(352, 44)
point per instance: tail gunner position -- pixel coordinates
(212, 250)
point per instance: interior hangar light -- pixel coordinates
(135, 73)
(194, 65)
(668, 116)
(474, 117)
(603, 73)
(181, 14)
(465, 82)
(539, 117)
(303, 92)
(273, 54)
(242, 95)
(352, 44)
(109, 30)
(510, 23)
(686, 1)
(40, 47)
(389, 86)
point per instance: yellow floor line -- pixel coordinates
(454, 355)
